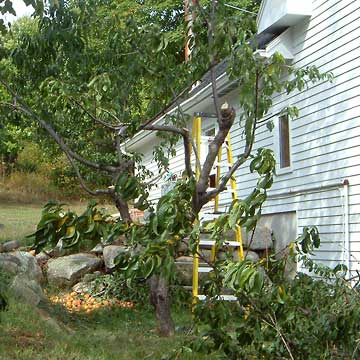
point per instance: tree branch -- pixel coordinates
(250, 142)
(27, 111)
(92, 116)
(223, 183)
(225, 123)
(241, 160)
(185, 135)
(212, 60)
(81, 180)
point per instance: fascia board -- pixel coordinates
(144, 137)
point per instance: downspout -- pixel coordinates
(347, 224)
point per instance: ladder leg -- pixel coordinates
(212, 256)
(239, 240)
(195, 282)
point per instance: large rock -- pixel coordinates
(98, 249)
(66, 271)
(110, 253)
(9, 246)
(30, 292)
(27, 291)
(249, 255)
(20, 262)
(184, 270)
(42, 258)
(261, 240)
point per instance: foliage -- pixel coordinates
(115, 285)
(276, 317)
(153, 246)
(104, 71)
(66, 229)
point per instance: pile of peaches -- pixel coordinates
(76, 302)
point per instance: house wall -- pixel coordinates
(325, 138)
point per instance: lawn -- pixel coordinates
(19, 220)
(105, 334)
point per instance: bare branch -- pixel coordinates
(187, 153)
(120, 124)
(168, 107)
(165, 128)
(82, 181)
(242, 159)
(250, 142)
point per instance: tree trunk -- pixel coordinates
(159, 298)
(123, 208)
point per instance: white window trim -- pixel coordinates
(289, 169)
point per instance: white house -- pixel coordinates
(318, 153)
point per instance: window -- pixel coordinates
(212, 181)
(284, 142)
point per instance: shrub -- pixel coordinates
(305, 318)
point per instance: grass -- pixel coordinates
(105, 335)
(19, 220)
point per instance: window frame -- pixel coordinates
(278, 146)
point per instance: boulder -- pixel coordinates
(184, 269)
(110, 253)
(27, 291)
(98, 249)
(30, 292)
(42, 258)
(19, 262)
(249, 255)
(262, 239)
(68, 270)
(9, 246)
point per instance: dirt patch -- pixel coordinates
(24, 339)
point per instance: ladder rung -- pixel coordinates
(230, 191)
(221, 297)
(212, 243)
(222, 163)
(202, 269)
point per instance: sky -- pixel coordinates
(21, 10)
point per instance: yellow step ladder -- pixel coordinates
(196, 135)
